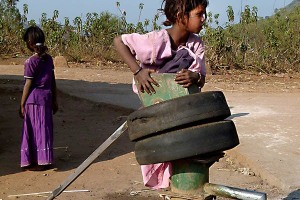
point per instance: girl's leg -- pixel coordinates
(37, 141)
(43, 135)
(157, 176)
(27, 152)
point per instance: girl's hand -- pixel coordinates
(144, 81)
(186, 78)
(21, 112)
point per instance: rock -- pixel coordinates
(60, 61)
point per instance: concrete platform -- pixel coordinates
(267, 124)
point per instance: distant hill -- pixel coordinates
(293, 4)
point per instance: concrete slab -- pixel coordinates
(76, 82)
(267, 124)
(116, 94)
(268, 128)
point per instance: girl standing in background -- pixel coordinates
(38, 104)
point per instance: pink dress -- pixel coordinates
(152, 50)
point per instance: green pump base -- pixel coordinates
(191, 178)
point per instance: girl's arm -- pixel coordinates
(141, 75)
(197, 75)
(54, 95)
(27, 86)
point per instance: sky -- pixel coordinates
(75, 8)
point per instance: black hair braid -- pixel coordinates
(41, 49)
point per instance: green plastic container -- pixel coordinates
(168, 89)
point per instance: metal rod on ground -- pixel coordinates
(40, 193)
(230, 192)
(81, 168)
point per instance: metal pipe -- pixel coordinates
(234, 193)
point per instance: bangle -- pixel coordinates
(137, 71)
(199, 79)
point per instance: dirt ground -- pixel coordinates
(81, 126)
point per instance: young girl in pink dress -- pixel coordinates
(38, 104)
(178, 50)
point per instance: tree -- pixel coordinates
(10, 25)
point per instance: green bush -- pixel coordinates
(10, 27)
(269, 45)
(264, 45)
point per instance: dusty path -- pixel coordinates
(115, 174)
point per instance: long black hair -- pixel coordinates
(179, 8)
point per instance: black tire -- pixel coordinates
(188, 142)
(194, 108)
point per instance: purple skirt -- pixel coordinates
(37, 136)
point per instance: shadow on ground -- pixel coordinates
(80, 126)
(125, 196)
(295, 195)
